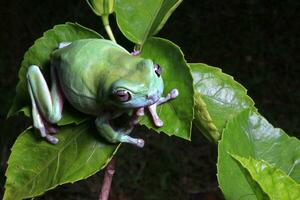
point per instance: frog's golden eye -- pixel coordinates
(157, 70)
(122, 95)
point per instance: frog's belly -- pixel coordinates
(85, 104)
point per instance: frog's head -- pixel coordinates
(141, 86)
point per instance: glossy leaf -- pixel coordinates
(273, 181)
(218, 99)
(39, 54)
(36, 166)
(139, 20)
(250, 135)
(176, 114)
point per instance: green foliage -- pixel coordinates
(274, 182)
(177, 115)
(139, 20)
(36, 166)
(218, 99)
(250, 135)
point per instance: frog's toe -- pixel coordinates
(158, 123)
(44, 131)
(174, 93)
(52, 139)
(140, 143)
(155, 118)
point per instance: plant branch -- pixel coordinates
(105, 20)
(108, 175)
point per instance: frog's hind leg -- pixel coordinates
(114, 136)
(46, 105)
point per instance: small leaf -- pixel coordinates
(250, 135)
(218, 99)
(39, 54)
(274, 182)
(36, 166)
(139, 20)
(176, 114)
(101, 7)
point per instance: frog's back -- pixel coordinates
(82, 67)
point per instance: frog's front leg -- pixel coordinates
(46, 105)
(152, 108)
(114, 136)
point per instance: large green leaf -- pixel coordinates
(273, 181)
(36, 166)
(218, 98)
(139, 20)
(39, 54)
(249, 134)
(176, 114)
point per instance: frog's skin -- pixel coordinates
(100, 78)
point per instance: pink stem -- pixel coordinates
(106, 185)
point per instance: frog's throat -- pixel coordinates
(152, 108)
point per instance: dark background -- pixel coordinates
(255, 41)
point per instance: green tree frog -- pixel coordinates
(97, 77)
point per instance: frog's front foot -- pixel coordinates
(135, 141)
(152, 108)
(124, 137)
(140, 143)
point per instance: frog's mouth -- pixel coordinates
(152, 108)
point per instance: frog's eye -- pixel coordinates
(157, 70)
(123, 95)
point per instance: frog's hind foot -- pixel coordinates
(49, 128)
(45, 133)
(46, 104)
(45, 128)
(52, 139)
